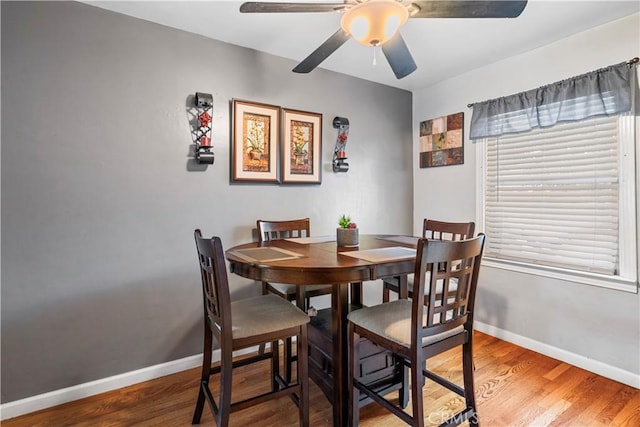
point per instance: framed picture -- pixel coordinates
(442, 141)
(301, 147)
(255, 144)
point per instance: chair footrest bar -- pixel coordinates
(444, 382)
(243, 404)
(381, 384)
(281, 382)
(384, 402)
(245, 361)
(207, 393)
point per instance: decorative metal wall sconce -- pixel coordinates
(339, 154)
(204, 106)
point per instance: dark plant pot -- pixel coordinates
(347, 237)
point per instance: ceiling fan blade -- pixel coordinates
(258, 7)
(322, 52)
(469, 9)
(399, 57)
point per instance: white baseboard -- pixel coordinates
(574, 359)
(80, 391)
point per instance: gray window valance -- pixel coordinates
(607, 91)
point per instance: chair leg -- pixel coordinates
(303, 376)
(417, 404)
(467, 374)
(354, 365)
(385, 292)
(265, 291)
(288, 359)
(275, 365)
(204, 377)
(403, 393)
(226, 369)
(197, 413)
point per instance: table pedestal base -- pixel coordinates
(377, 365)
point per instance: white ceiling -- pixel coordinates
(442, 48)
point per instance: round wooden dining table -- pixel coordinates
(318, 260)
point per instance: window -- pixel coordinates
(560, 199)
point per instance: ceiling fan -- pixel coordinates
(376, 23)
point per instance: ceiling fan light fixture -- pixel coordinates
(374, 22)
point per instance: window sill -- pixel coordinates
(591, 279)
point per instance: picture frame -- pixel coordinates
(255, 143)
(301, 147)
(442, 141)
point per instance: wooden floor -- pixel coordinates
(514, 387)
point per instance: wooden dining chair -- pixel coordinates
(431, 229)
(271, 230)
(417, 330)
(241, 324)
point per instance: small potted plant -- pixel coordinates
(347, 233)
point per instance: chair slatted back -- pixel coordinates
(439, 262)
(215, 284)
(271, 230)
(440, 230)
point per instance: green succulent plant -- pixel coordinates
(345, 222)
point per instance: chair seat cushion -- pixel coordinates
(291, 289)
(264, 314)
(392, 320)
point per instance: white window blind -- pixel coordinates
(552, 196)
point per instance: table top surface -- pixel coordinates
(318, 261)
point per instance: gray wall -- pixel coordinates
(594, 325)
(99, 200)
